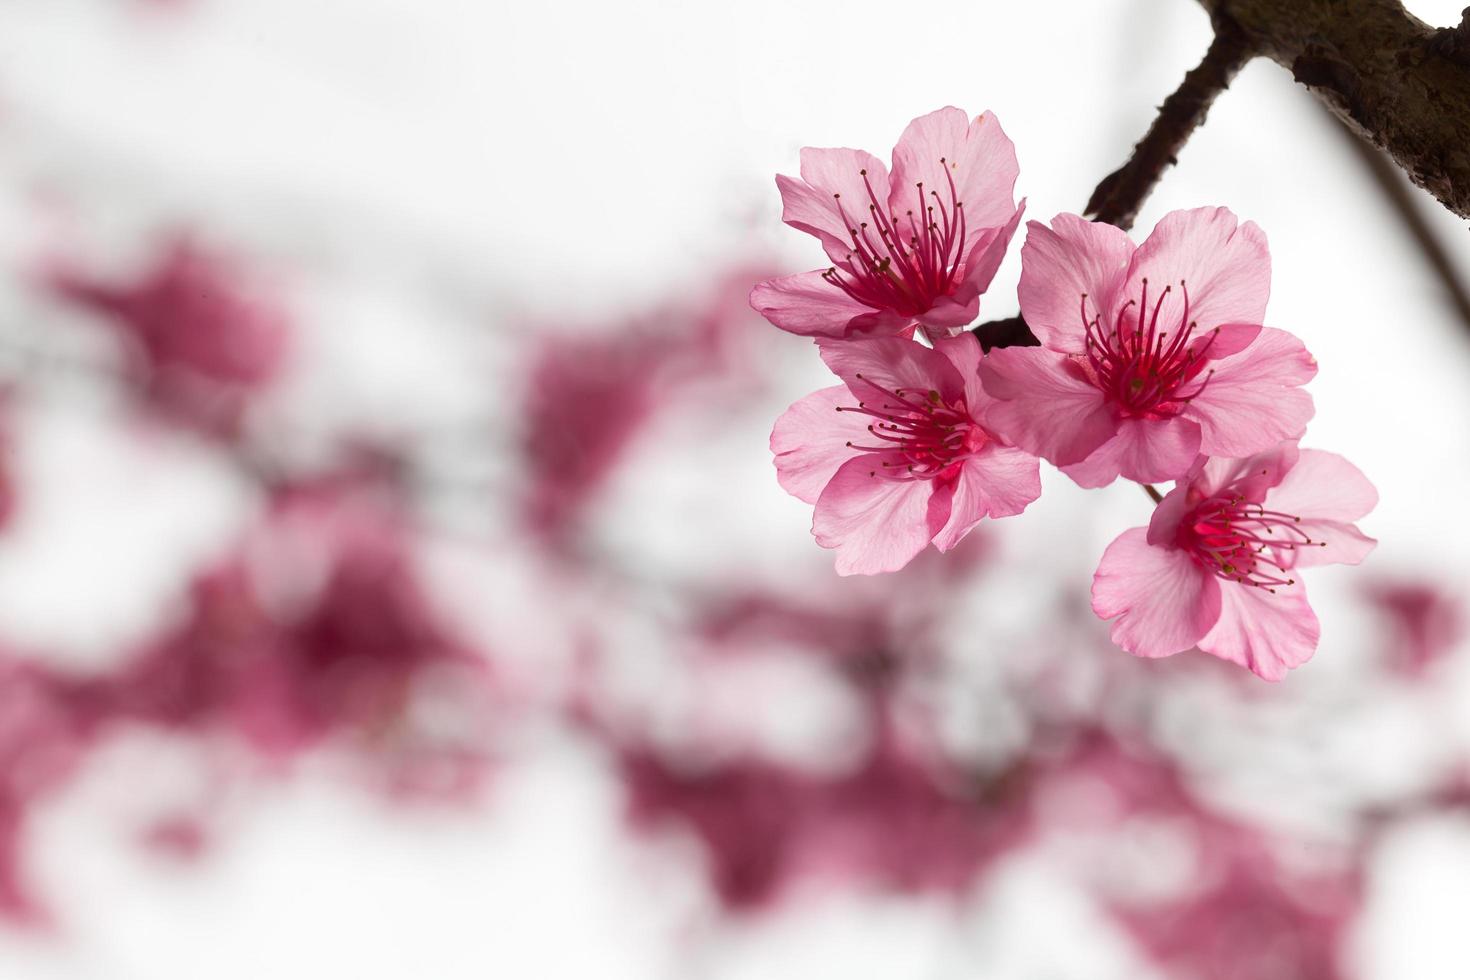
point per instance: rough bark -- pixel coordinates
(1395, 81)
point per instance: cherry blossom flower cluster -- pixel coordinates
(1153, 365)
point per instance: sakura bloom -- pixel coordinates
(897, 456)
(1216, 567)
(916, 248)
(1151, 355)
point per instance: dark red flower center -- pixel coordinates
(1243, 542)
(1145, 371)
(903, 264)
(918, 436)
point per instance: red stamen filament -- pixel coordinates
(902, 272)
(1146, 372)
(1243, 542)
(918, 434)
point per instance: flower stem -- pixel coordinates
(1148, 488)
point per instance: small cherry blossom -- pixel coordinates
(1150, 355)
(1216, 568)
(897, 455)
(916, 247)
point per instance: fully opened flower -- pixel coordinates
(1151, 355)
(918, 246)
(897, 455)
(1217, 566)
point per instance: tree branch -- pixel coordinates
(1396, 82)
(1119, 197)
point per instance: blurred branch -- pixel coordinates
(1121, 194)
(1415, 222)
(1396, 82)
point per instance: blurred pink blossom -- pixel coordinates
(201, 339)
(896, 821)
(589, 395)
(917, 248)
(897, 456)
(1151, 355)
(319, 629)
(42, 741)
(1427, 621)
(1214, 567)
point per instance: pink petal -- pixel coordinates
(964, 353)
(1160, 601)
(1163, 526)
(986, 250)
(877, 525)
(1254, 400)
(951, 314)
(811, 204)
(1226, 339)
(1333, 543)
(1267, 633)
(1000, 482)
(807, 305)
(1061, 263)
(1324, 486)
(981, 161)
(1146, 450)
(1252, 477)
(1044, 404)
(810, 441)
(1226, 268)
(891, 363)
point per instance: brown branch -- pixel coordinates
(1010, 332)
(1121, 194)
(1404, 202)
(1119, 197)
(1396, 82)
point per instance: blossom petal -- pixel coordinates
(985, 251)
(1044, 404)
(812, 204)
(1160, 601)
(951, 314)
(807, 305)
(810, 441)
(1062, 263)
(1254, 400)
(980, 158)
(964, 353)
(1324, 486)
(1333, 543)
(1000, 482)
(891, 363)
(1225, 267)
(1267, 633)
(1252, 477)
(1146, 450)
(1163, 526)
(875, 524)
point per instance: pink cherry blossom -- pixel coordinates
(1150, 355)
(916, 247)
(897, 456)
(1216, 567)
(1426, 620)
(202, 338)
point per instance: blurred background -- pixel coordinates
(394, 581)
